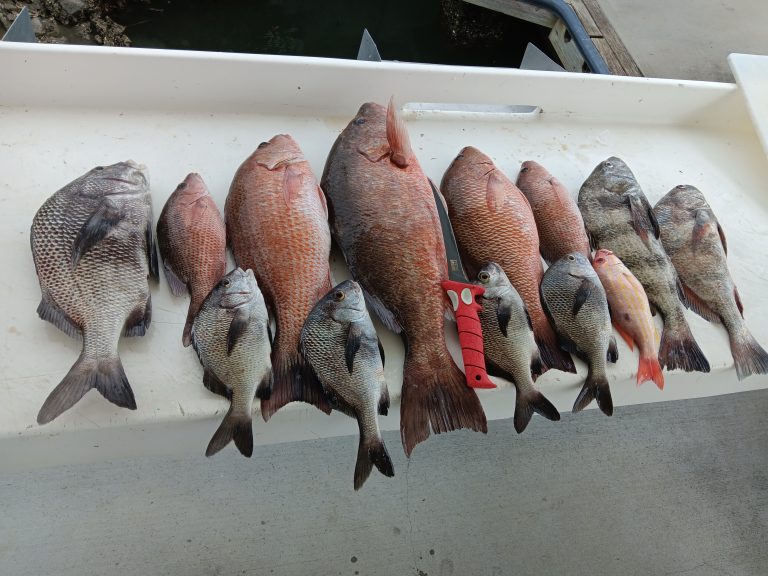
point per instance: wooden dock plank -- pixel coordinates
(590, 26)
(617, 47)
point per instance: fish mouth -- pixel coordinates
(240, 302)
(123, 180)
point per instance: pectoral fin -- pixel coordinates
(582, 294)
(102, 222)
(397, 137)
(236, 329)
(354, 337)
(503, 314)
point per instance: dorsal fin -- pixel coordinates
(397, 137)
(292, 184)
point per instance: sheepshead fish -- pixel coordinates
(193, 244)
(631, 313)
(93, 248)
(510, 348)
(493, 222)
(385, 220)
(340, 343)
(558, 220)
(231, 337)
(618, 217)
(575, 300)
(277, 225)
(695, 242)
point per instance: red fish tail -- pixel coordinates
(436, 399)
(748, 356)
(293, 381)
(678, 349)
(552, 356)
(648, 368)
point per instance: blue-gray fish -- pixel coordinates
(340, 343)
(94, 250)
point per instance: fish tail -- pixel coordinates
(438, 399)
(106, 375)
(552, 356)
(678, 349)
(595, 388)
(528, 402)
(236, 426)
(648, 368)
(370, 454)
(748, 356)
(186, 336)
(293, 381)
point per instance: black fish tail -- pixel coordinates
(294, 381)
(236, 426)
(528, 402)
(370, 453)
(595, 388)
(552, 355)
(106, 375)
(748, 356)
(678, 349)
(436, 398)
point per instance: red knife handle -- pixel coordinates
(465, 308)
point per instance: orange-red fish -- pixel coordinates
(558, 220)
(631, 313)
(386, 223)
(277, 225)
(193, 244)
(493, 222)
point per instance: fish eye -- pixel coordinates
(680, 186)
(359, 121)
(524, 169)
(226, 282)
(571, 257)
(484, 277)
(600, 260)
(608, 164)
(263, 144)
(339, 296)
(99, 168)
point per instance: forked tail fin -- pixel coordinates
(370, 453)
(236, 426)
(436, 399)
(294, 381)
(748, 356)
(528, 402)
(678, 349)
(595, 388)
(106, 375)
(648, 368)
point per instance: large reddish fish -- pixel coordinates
(277, 225)
(385, 220)
(493, 222)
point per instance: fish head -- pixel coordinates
(614, 175)
(687, 197)
(191, 188)
(493, 280)
(575, 264)
(279, 150)
(345, 302)
(604, 257)
(531, 170)
(472, 161)
(369, 123)
(123, 178)
(235, 289)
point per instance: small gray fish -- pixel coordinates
(575, 301)
(93, 248)
(340, 343)
(695, 242)
(619, 218)
(510, 346)
(231, 337)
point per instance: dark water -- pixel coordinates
(434, 31)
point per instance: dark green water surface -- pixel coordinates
(434, 31)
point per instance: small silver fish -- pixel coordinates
(93, 248)
(340, 343)
(231, 337)
(575, 300)
(510, 346)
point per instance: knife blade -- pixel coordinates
(463, 297)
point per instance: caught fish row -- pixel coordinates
(94, 250)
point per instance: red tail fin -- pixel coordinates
(436, 399)
(649, 369)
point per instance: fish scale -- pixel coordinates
(277, 225)
(104, 219)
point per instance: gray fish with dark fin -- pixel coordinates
(619, 218)
(94, 250)
(575, 300)
(340, 343)
(510, 347)
(695, 242)
(231, 337)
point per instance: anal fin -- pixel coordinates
(50, 312)
(695, 303)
